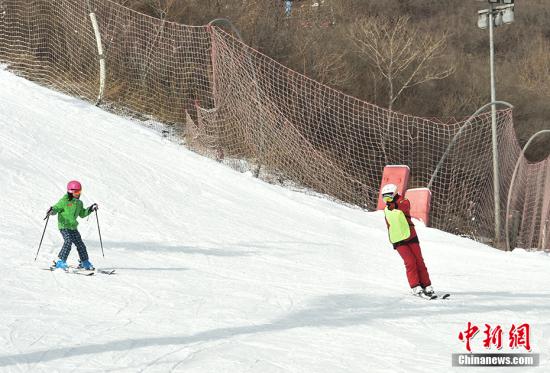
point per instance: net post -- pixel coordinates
(507, 223)
(102, 66)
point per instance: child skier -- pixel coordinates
(404, 239)
(68, 209)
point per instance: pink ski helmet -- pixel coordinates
(74, 186)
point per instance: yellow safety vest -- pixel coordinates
(398, 229)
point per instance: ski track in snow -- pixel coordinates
(219, 272)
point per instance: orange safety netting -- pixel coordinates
(233, 103)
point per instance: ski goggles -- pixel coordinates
(75, 192)
(387, 197)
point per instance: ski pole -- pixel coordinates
(47, 218)
(99, 230)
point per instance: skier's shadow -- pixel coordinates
(156, 246)
(245, 248)
(337, 310)
(480, 295)
(175, 269)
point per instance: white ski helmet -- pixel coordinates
(389, 190)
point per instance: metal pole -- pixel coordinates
(496, 183)
(508, 248)
(40, 245)
(227, 23)
(101, 55)
(102, 72)
(452, 142)
(99, 231)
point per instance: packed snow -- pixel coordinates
(217, 271)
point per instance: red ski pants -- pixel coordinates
(417, 273)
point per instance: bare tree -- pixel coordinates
(402, 54)
(161, 7)
(331, 69)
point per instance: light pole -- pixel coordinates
(499, 12)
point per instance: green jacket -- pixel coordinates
(68, 210)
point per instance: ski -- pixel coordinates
(82, 271)
(425, 296)
(433, 296)
(106, 271)
(97, 270)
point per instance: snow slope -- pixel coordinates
(217, 271)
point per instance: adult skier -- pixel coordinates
(68, 209)
(405, 241)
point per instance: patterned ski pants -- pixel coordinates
(72, 237)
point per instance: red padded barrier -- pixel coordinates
(421, 199)
(394, 174)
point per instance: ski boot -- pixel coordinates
(86, 265)
(429, 291)
(418, 291)
(60, 263)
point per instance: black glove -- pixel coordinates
(93, 207)
(391, 205)
(49, 212)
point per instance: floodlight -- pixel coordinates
(498, 19)
(482, 20)
(508, 16)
